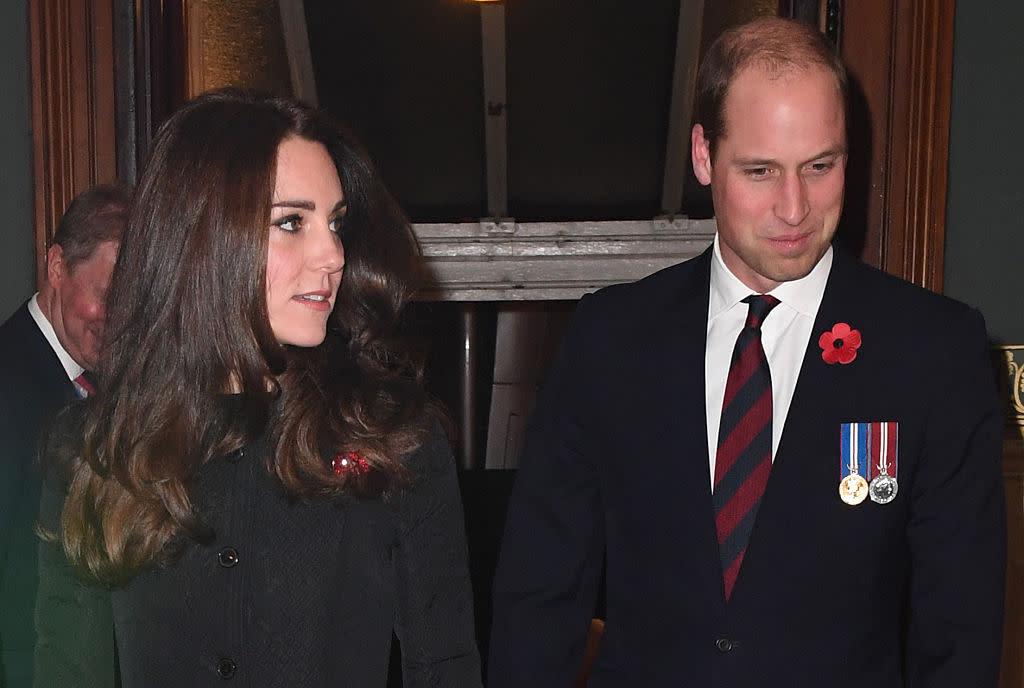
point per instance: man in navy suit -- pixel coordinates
(46, 350)
(855, 534)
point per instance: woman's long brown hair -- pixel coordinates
(187, 321)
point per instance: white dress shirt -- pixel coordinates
(784, 335)
(71, 366)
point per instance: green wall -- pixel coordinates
(985, 211)
(17, 274)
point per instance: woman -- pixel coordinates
(257, 492)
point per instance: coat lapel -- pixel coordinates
(686, 424)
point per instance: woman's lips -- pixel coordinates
(316, 300)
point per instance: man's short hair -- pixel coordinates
(96, 215)
(776, 45)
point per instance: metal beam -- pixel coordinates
(684, 80)
(296, 44)
(492, 33)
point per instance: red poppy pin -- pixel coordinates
(350, 463)
(840, 344)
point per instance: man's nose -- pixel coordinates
(792, 206)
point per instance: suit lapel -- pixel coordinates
(686, 423)
(36, 358)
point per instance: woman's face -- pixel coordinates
(305, 255)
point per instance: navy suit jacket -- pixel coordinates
(615, 475)
(34, 386)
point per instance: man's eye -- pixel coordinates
(821, 166)
(757, 172)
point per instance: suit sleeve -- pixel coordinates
(434, 621)
(552, 551)
(957, 528)
(15, 467)
(74, 622)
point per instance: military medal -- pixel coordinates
(868, 462)
(853, 487)
(883, 487)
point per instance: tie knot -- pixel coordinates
(86, 384)
(760, 305)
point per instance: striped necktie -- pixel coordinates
(744, 456)
(84, 386)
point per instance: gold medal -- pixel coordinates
(853, 489)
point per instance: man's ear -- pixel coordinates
(56, 268)
(700, 154)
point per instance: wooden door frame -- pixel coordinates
(71, 56)
(900, 56)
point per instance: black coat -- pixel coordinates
(33, 386)
(615, 471)
(287, 593)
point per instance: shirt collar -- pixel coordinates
(71, 366)
(803, 295)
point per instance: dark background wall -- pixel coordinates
(17, 272)
(985, 221)
(985, 211)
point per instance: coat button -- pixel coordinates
(226, 668)
(723, 644)
(227, 557)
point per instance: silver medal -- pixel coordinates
(883, 489)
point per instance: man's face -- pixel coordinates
(78, 312)
(778, 173)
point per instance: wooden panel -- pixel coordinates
(1012, 673)
(72, 106)
(900, 56)
(918, 140)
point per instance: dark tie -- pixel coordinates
(744, 456)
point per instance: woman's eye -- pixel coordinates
(337, 224)
(292, 223)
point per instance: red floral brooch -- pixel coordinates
(350, 463)
(840, 344)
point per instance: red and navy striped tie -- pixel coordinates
(744, 456)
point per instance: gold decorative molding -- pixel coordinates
(1011, 372)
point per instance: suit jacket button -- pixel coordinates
(723, 644)
(226, 668)
(227, 557)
